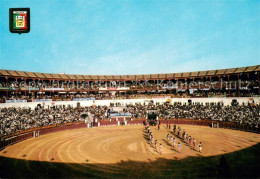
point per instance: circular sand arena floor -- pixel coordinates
(125, 143)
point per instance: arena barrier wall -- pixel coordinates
(23, 135)
(108, 123)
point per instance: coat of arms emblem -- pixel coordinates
(19, 20)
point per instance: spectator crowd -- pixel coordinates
(17, 119)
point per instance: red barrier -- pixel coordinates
(108, 123)
(134, 122)
(60, 128)
(20, 136)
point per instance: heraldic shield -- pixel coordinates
(19, 20)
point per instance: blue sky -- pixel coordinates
(132, 36)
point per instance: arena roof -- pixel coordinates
(195, 74)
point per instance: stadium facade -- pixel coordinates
(22, 86)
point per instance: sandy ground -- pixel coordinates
(123, 143)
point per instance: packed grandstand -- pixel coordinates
(17, 87)
(13, 120)
(34, 86)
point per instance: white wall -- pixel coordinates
(227, 101)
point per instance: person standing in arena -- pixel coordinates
(171, 139)
(200, 147)
(160, 148)
(155, 145)
(189, 140)
(152, 141)
(174, 142)
(184, 134)
(194, 143)
(179, 147)
(168, 136)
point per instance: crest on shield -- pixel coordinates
(19, 20)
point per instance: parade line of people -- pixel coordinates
(177, 131)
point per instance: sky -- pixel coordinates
(131, 36)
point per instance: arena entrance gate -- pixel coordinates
(152, 117)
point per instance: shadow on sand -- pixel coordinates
(240, 164)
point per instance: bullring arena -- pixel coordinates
(119, 144)
(100, 132)
(124, 143)
(76, 149)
